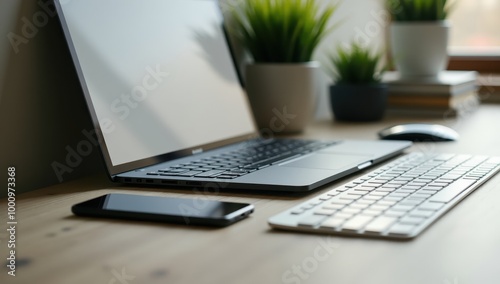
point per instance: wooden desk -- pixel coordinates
(463, 247)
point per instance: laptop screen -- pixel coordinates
(157, 74)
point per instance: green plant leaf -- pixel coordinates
(281, 30)
(355, 65)
(419, 10)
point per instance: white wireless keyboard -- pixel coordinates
(397, 200)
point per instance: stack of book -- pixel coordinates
(452, 92)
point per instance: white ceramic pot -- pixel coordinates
(282, 96)
(419, 48)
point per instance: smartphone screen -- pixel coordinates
(164, 209)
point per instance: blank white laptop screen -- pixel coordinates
(159, 77)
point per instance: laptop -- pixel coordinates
(168, 107)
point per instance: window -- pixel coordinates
(476, 28)
(475, 36)
(475, 43)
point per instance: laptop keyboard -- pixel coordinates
(398, 200)
(257, 155)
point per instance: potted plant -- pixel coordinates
(281, 37)
(419, 36)
(358, 94)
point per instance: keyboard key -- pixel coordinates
(307, 206)
(297, 211)
(380, 207)
(399, 183)
(349, 197)
(451, 191)
(311, 221)
(393, 198)
(350, 210)
(372, 212)
(209, 173)
(403, 179)
(386, 202)
(380, 224)
(410, 202)
(372, 197)
(369, 186)
(377, 183)
(433, 188)
(342, 189)
(325, 197)
(341, 201)
(421, 213)
(409, 191)
(315, 202)
(401, 229)
(399, 194)
(223, 176)
(333, 206)
(411, 187)
(394, 213)
(429, 192)
(439, 184)
(332, 223)
(390, 186)
(324, 211)
(191, 167)
(411, 220)
(355, 192)
(359, 206)
(450, 177)
(401, 207)
(366, 201)
(343, 215)
(189, 174)
(356, 223)
(240, 171)
(433, 206)
(378, 193)
(422, 195)
(364, 189)
(384, 189)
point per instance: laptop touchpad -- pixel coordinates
(328, 161)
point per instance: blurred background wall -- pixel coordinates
(42, 111)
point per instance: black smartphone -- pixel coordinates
(164, 209)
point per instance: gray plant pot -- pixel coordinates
(282, 95)
(358, 102)
(420, 48)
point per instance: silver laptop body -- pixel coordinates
(163, 93)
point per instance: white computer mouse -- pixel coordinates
(419, 132)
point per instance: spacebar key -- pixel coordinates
(451, 191)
